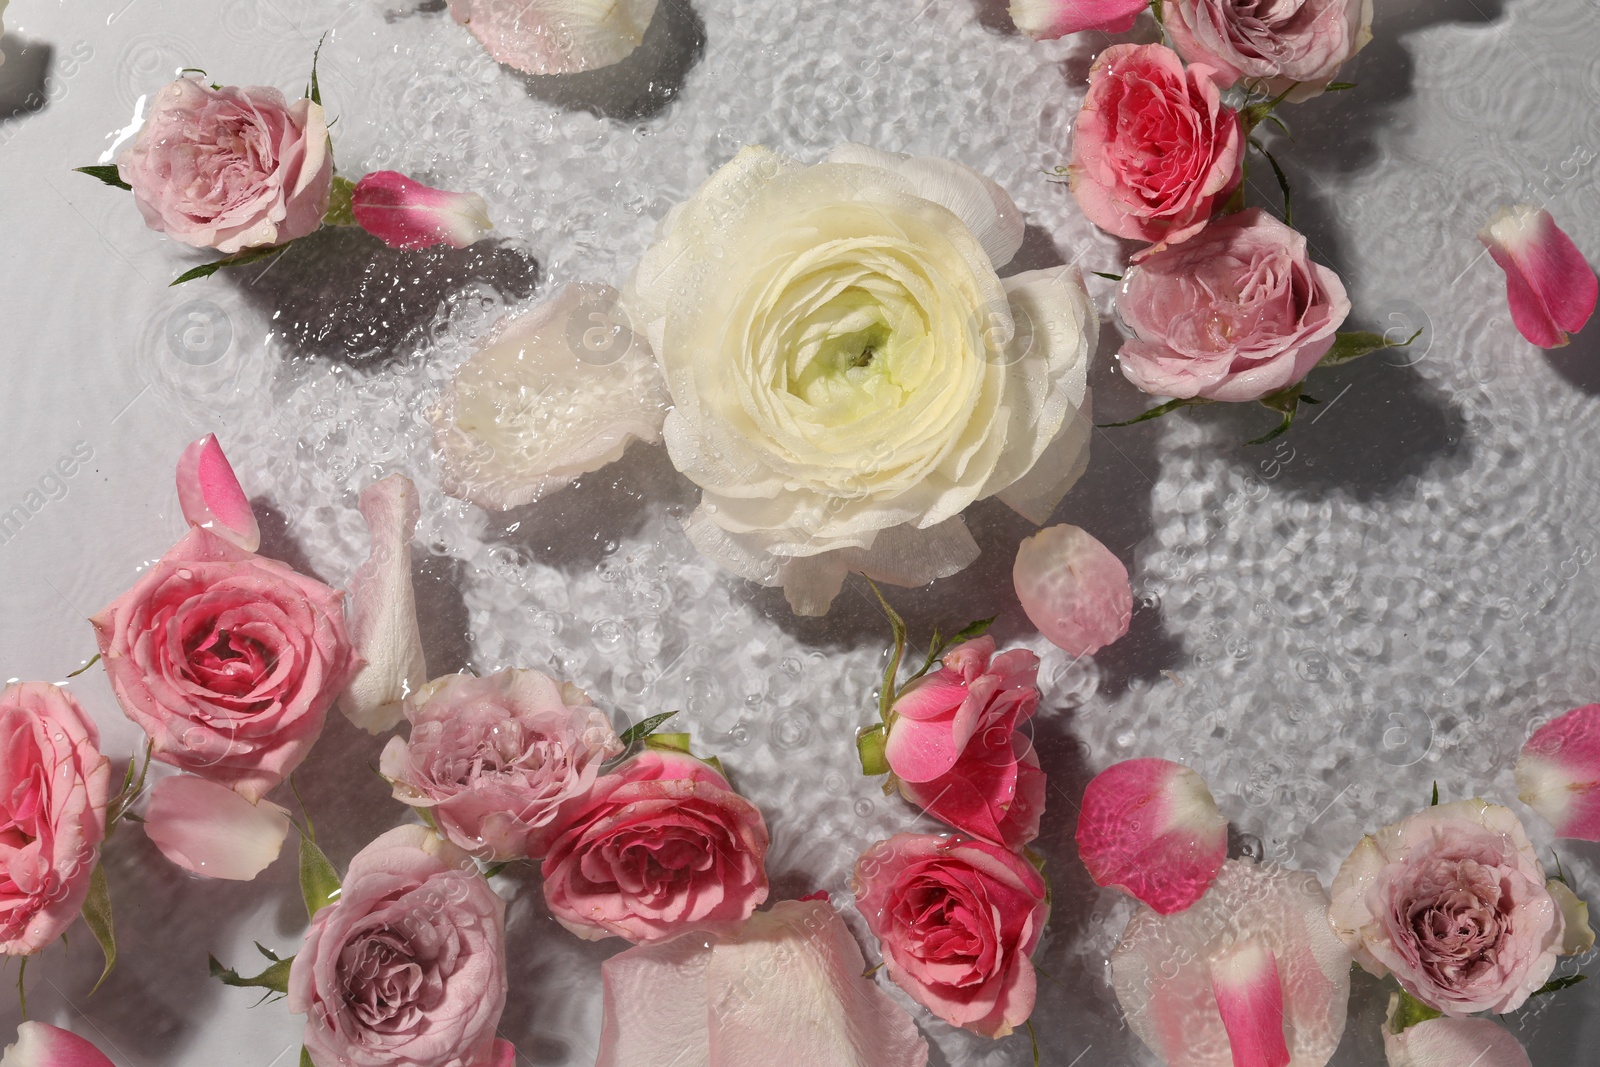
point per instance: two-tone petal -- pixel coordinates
(1550, 286)
(211, 830)
(383, 604)
(1249, 992)
(211, 497)
(1045, 20)
(1558, 773)
(407, 214)
(42, 1045)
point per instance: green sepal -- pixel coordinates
(1283, 181)
(341, 203)
(1157, 411)
(1107, 275)
(109, 174)
(1434, 803)
(1348, 346)
(1338, 87)
(97, 917)
(643, 729)
(1253, 115)
(870, 743)
(275, 979)
(897, 625)
(1287, 402)
(715, 764)
(1409, 1012)
(319, 882)
(668, 743)
(206, 270)
(1558, 983)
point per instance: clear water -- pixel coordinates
(1394, 594)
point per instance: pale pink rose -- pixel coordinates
(212, 831)
(659, 846)
(957, 921)
(1236, 313)
(1550, 286)
(494, 759)
(1045, 20)
(786, 986)
(210, 495)
(1150, 828)
(1154, 152)
(54, 785)
(954, 746)
(407, 967)
(1073, 589)
(1558, 773)
(1450, 1043)
(230, 168)
(1274, 43)
(42, 1045)
(228, 660)
(1452, 901)
(407, 214)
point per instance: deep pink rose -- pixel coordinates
(660, 845)
(957, 921)
(494, 759)
(1154, 151)
(1452, 900)
(407, 968)
(955, 747)
(1274, 42)
(230, 168)
(228, 660)
(1236, 313)
(54, 784)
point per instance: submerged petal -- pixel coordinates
(1073, 589)
(383, 604)
(1249, 992)
(1558, 773)
(211, 497)
(556, 36)
(211, 830)
(1550, 286)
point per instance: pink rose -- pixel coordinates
(1452, 900)
(407, 968)
(228, 660)
(1155, 151)
(1237, 313)
(660, 845)
(230, 168)
(957, 921)
(494, 759)
(1276, 43)
(954, 746)
(54, 785)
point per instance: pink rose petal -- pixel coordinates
(1249, 992)
(1558, 773)
(1149, 827)
(1550, 286)
(42, 1045)
(383, 604)
(1045, 20)
(210, 495)
(407, 214)
(1450, 1043)
(503, 1055)
(1073, 589)
(556, 36)
(211, 830)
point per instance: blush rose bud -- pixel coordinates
(1550, 286)
(406, 214)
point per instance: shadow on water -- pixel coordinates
(24, 76)
(644, 82)
(1579, 361)
(341, 294)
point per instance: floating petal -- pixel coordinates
(556, 36)
(211, 830)
(383, 604)
(1450, 1042)
(1558, 773)
(1249, 992)
(407, 214)
(1073, 589)
(210, 495)
(1149, 827)
(1045, 20)
(42, 1045)
(1550, 286)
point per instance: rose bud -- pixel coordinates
(1150, 828)
(1550, 286)
(1045, 20)
(1452, 901)
(406, 214)
(1073, 589)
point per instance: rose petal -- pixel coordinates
(1558, 773)
(1149, 827)
(1249, 992)
(407, 214)
(554, 393)
(1579, 935)
(1045, 20)
(42, 1045)
(556, 36)
(383, 604)
(1550, 286)
(210, 496)
(1450, 1043)
(1073, 589)
(211, 830)
(504, 1054)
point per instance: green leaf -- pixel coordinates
(641, 730)
(97, 917)
(1286, 401)
(267, 952)
(319, 882)
(1157, 411)
(1435, 802)
(1338, 87)
(1103, 274)
(891, 672)
(206, 270)
(108, 174)
(86, 666)
(1284, 126)
(274, 979)
(973, 630)
(668, 743)
(314, 91)
(1283, 182)
(1409, 1012)
(1558, 983)
(341, 203)
(870, 744)
(1349, 346)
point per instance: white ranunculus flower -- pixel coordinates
(848, 372)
